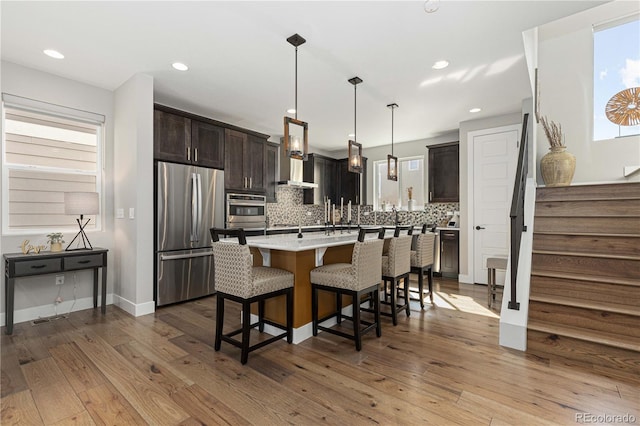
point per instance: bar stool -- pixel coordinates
(238, 280)
(422, 258)
(360, 277)
(396, 265)
(494, 263)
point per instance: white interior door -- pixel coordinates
(495, 161)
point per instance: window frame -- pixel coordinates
(398, 183)
(11, 102)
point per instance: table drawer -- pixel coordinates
(37, 266)
(82, 262)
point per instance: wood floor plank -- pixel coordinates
(152, 365)
(147, 398)
(11, 378)
(154, 336)
(82, 419)
(43, 373)
(19, 409)
(206, 408)
(76, 367)
(107, 406)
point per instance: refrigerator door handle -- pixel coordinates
(199, 222)
(194, 207)
(185, 256)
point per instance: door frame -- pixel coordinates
(470, 278)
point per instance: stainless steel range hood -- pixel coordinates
(291, 172)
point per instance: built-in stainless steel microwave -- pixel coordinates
(248, 211)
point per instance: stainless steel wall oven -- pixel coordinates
(248, 211)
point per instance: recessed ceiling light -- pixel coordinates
(53, 53)
(475, 110)
(291, 110)
(180, 66)
(440, 65)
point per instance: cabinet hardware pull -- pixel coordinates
(83, 261)
(430, 195)
(250, 182)
(38, 266)
(195, 154)
(188, 153)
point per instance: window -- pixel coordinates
(616, 61)
(410, 175)
(44, 156)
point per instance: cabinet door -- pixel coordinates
(207, 145)
(234, 177)
(310, 173)
(272, 152)
(352, 185)
(330, 180)
(444, 182)
(255, 169)
(171, 137)
(449, 253)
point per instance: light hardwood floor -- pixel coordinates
(442, 365)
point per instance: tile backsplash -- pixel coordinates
(290, 210)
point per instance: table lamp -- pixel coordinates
(81, 203)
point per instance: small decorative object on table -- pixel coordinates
(558, 166)
(55, 241)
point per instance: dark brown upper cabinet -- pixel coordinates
(271, 160)
(444, 173)
(352, 186)
(321, 170)
(244, 164)
(183, 140)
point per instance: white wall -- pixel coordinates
(34, 296)
(133, 184)
(565, 62)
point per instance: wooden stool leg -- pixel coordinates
(261, 315)
(290, 316)
(246, 329)
(406, 295)
(376, 302)
(421, 287)
(357, 333)
(314, 309)
(339, 307)
(430, 282)
(219, 321)
(489, 287)
(394, 307)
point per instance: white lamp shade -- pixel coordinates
(81, 203)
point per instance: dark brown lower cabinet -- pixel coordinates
(449, 257)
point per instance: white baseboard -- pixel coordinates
(134, 309)
(50, 310)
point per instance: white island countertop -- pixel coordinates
(309, 241)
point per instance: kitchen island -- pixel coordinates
(300, 256)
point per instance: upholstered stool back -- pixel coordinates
(366, 263)
(397, 261)
(423, 255)
(233, 264)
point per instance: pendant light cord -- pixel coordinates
(392, 110)
(355, 109)
(296, 102)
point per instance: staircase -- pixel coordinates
(584, 306)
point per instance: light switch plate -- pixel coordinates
(132, 213)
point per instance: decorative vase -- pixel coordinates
(557, 166)
(410, 205)
(56, 247)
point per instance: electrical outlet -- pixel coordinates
(59, 279)
(119, 213)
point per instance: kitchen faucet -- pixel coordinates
(394, 210)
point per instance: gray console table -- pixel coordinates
(17, 265)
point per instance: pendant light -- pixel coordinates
(392, 162)
(295, 146)
(355, 149)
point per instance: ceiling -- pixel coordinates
(242, 68)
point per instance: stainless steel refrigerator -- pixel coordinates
(190, 201)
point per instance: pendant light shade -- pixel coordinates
(296, 132)
(355, 149)
(392, 162)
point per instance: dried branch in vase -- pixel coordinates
(553, 132)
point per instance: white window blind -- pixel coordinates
(46, 155)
